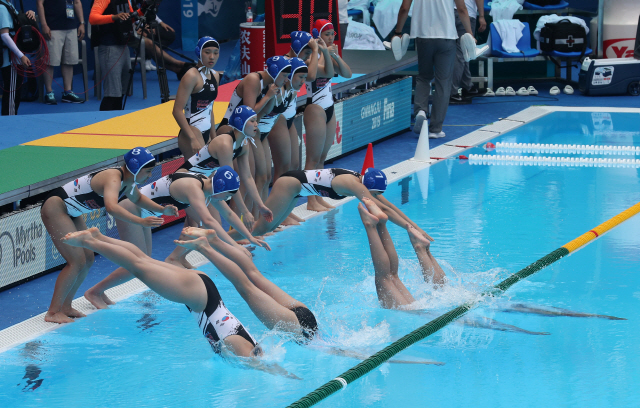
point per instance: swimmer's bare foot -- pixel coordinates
(289, 221)
(324, 203)
(367, 218)
(59, 318)
(209, 234)
(79, 238)
(375, 210)
(243, 242)
(106, 299)
(417, 239)
(71, 312)
(194, 244)
(313, 205)
(95, 298)
(296, 218)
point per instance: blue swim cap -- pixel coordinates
(275, 65)
(299, 39)
(374, 180)
(297, 64)
(225, 179)
(135, 159)
(240, 117)
(203, 43)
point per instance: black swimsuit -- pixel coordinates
(236, 101)
(216, 321)
(318, 182)
(200, 104)
(79, 197)
(202, 162)
(159, 192)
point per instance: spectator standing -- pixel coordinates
(11, 79)
(343, 17)
(62, 23)
(433, 25)
(461, 72)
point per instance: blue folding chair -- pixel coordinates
(561, 5)
(524, 45)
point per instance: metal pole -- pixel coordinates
(600, 25)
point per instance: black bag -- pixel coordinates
(563, 36)
(28, 39)
(543, 3)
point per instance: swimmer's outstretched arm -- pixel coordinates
(199, 212)
(145, 202)
(110, 194)
(244, 171)
(233, 220)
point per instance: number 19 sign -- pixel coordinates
(189, 23)
(284, 16)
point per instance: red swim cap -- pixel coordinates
(323, 25)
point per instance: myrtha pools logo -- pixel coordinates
(22, 250)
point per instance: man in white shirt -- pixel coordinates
(343, 17)
(433, 25)
(461, 73)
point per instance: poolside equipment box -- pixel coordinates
(611, 76)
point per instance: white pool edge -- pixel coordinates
(36, 326)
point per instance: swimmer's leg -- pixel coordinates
(184, 143)
(431, 270)
(554, 311)
(281, 202)
(58, 224)
(280, 146)
(135, 234)
(247, 266)
(169, 281)
(328, 141)
(388, 293)
(387, 242)
(266, 309)
(260, 177)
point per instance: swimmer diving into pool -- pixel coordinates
(333, 183)
(185, 191)
(62, 212)
(276, 307)
(223, 330)
(393, 294)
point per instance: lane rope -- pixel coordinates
(438, 323)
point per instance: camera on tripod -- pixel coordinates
(149, 9)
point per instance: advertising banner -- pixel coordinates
(252, 55)
(377, 114)
(22, 246)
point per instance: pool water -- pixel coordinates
(487, 221)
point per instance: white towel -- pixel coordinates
(504, 9)
(385, 16)
(554, 19)
(510, 32)
(362, 5)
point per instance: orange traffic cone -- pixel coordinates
(368, 159)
